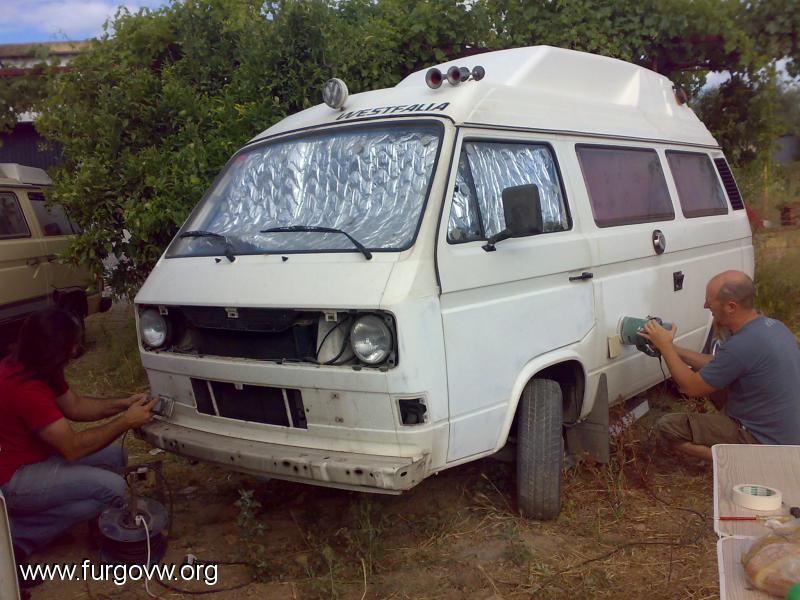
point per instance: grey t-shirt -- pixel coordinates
(760, 366)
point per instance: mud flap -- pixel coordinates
(589, 438)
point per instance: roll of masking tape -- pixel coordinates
(757, 497)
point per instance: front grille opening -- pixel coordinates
(254, 403)
(262, 334)
(412, 411)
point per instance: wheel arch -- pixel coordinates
(72, 297)
(565, 367)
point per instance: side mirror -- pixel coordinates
(522, 211)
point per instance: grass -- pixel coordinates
(111, 367)
(778, 288)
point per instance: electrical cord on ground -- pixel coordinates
(610, 553)
(140, 520)
(703, 519)
(238, 586)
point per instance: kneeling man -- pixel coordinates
(758, 366)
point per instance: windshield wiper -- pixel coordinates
(197, 233)
(314, 229)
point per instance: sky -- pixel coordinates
(59, 20)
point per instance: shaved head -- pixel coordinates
(733, 285)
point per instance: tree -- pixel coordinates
(23, 93)
(149, 115)
(741, 113)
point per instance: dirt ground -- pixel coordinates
(622, 532)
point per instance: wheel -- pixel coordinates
(75, 308)
(540, 450)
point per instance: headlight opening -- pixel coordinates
(372, 339)
(154, 328)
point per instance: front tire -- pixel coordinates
(540, 450)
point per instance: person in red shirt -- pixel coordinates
(52, 476)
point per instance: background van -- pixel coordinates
(32, 234)
(408, 279)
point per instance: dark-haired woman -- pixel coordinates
(52, 477)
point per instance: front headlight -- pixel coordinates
(371, 339)
(153, 327)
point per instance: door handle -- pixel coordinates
(582, 277)
(659, 241)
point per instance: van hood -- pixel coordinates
(302, 281)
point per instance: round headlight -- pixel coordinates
(153, 328)
(371, 339)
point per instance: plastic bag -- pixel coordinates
(772, 563)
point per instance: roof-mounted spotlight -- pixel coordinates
(434, 78)
(335, 93)
(478, 73)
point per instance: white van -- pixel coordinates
(345, 306)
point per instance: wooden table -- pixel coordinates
(773, 466)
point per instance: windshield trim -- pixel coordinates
(307, 133)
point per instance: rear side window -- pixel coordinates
(625, 185)
(12, 221)
(485, 169)
(52, 218)
(699, 190)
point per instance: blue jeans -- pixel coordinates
(48, 497)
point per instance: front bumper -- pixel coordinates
(346, 470)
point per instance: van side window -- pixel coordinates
(485, 169)
(12, 221)
(699, 190)
(52, 218)
(625, 185)
(465, 222)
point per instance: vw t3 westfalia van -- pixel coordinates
(32, 234)
(407, 279)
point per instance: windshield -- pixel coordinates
(368, 182)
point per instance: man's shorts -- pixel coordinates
(703, 429)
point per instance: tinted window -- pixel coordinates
(12, 221)
(699, 189)
(485, 169)
(625, 185)
(52, 218)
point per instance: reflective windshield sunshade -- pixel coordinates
(369, 182)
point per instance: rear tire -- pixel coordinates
(75, 308)
(540, 450)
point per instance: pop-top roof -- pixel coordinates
(540, 88)
(20, 174)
